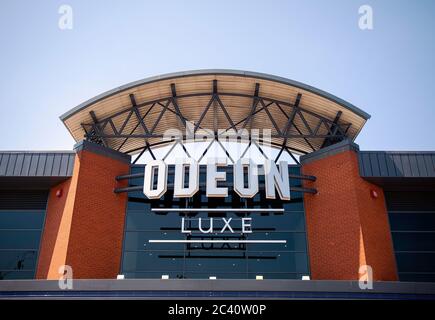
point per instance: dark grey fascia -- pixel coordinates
(101, 150)
(329, 151)
(241, 289)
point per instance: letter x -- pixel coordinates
(227, 225)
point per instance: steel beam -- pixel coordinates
(335, 130)
(96, 127)
(170, 185)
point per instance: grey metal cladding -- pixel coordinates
(18, 165)
(64, 163)
(26, 166)
(366, 167)
(397, 164)
(11, 164)
(3, 164)
(48, 165)
(33, 164)
(383, 169)
(374, 164)
(36, 164)
(70, 168)
(429, 161)
(41, 164)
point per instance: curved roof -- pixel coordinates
(162, 101)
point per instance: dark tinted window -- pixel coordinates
(20, 234)
(22, 215)
(412, 222)
(145, 259)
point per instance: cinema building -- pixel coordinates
(162, 196)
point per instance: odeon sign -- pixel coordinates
(274, 178)
(155, 186)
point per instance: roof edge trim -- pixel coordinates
(182, 74)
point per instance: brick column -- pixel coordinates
(84, 227)
(347, 226)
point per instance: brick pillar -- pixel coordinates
(84, 227)
(346, 226)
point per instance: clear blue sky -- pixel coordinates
(389, 72)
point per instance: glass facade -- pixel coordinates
(21, 224)
(412, 223)
(142, 259)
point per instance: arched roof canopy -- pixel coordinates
(135, 116)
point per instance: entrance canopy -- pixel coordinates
(134, 117)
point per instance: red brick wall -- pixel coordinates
(88, 223)
(346, 227)
(56, 232)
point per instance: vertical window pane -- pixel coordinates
(17, 260)
(20, 235)
(412, 223)
(21, 219)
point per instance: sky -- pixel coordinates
(388, 71)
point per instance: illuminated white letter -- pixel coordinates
(227, 225)
(183, 229)
(239, 178)
(210, 229)
(246, 225)
(277, 179)
(162, 175)
(213, 176)
(180, 169)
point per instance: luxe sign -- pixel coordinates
(246, 226)
(156, 175)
